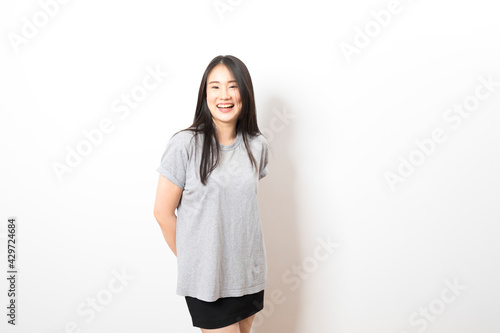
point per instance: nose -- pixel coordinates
(224, 94)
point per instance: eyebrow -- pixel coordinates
(219, 82)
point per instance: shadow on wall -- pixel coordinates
(277, 200)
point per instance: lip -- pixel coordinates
(225, 110)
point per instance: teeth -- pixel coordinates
(225, 106)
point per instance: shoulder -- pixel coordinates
(259, 141)
(182, 138)
(258, 138)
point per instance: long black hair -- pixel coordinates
(203, 121)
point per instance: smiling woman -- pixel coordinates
(210, 173)
(224, 101)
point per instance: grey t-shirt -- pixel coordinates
(219, 239)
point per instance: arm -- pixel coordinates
(167, 198)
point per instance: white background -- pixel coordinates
(337, 125)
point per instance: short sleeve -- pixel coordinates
(264, 160)
(174, 161)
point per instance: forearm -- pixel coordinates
(168, 228)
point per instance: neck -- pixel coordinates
(226, 134)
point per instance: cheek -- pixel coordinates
(210, 98)
(237, 97)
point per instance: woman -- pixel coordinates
(210, 173)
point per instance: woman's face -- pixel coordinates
(223, 96)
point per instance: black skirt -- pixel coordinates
(224, 311)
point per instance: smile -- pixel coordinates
(225, 107)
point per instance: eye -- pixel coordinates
(233, 87)
(215, 87)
